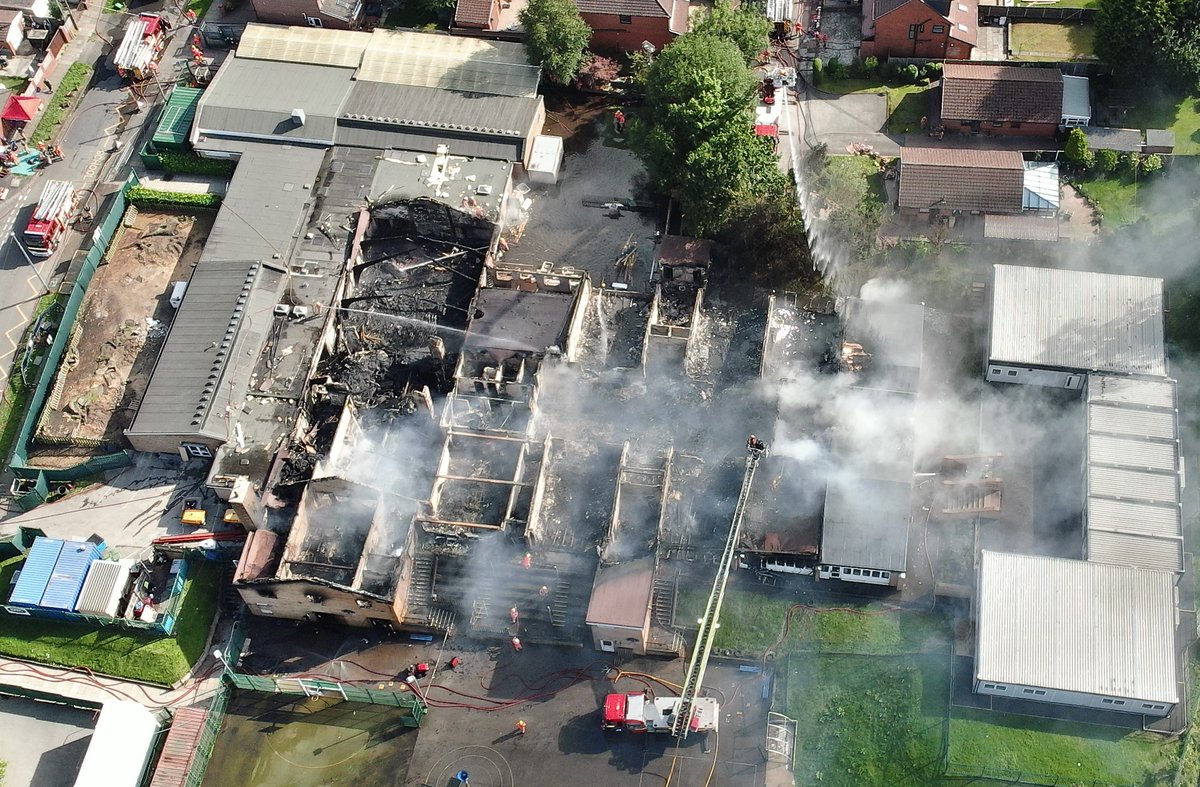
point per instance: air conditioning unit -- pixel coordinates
(483, 190)
(282, 310)
(300, 312)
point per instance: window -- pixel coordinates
(362, 603)
(1000, 687)
(939, 28)
(912, 31)
(16, 611)
(266, 593)
(625, 19)
(263, 609)
(962, 27)
(1016, 124)
(1118, 702)
(1039, 692)
(1012, 372)
(989, 685)
(197, 450)
(997, 124)
(1107, 701)
(608, 646)
(312, 21)
(995, 371)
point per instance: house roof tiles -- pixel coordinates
(991, 181)
(1001, 93)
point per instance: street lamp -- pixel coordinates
(219, 656)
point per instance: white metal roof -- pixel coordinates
(312, 45)
(1075, 625)
(103, 587)
(1132, 514)
(1077, 320)
(463, 63)
(120, 748)
(1076, 103)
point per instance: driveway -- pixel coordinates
(840, 120)
(43, 744)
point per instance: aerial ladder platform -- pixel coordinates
(755, 450)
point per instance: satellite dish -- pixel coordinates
(40, 9)
(647, 47)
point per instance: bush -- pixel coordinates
(153, 198)
(836, 69)
(598, 72)
(191, 164)
(818, 70)
(1106, 160)
(910, 73)
(933, 71)
(871, 65)
(1077, 151)
(1130, 164)
(1152, 163)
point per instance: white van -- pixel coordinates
(177, 291)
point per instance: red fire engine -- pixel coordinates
(50, 218)
(634, 712)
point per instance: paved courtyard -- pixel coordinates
(43, 744)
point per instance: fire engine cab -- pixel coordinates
(50, 217)
(634, 712)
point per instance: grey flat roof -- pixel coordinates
(257, 97)
(516, 320)
(1125, 140)
(459, 181)
(892, 334)
(376, 136)
(621, 594)
(1075, 625)
(1077, 101)
(1077, 320)
(866, 523)
(227, 308)
(1133, 512)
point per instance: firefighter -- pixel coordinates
(619, 121)
(521, 726)
(754, 444)
(514, 615)
(543, 591)
(516, 643)
(527, 561)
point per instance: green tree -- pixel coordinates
(1152, 163)
(766, 239)
(556, 37)
(1106, 160)
(694, 89)
(729, 167)
(1077, 151)
(1151, 39)
(747, 27)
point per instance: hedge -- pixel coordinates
(77, 76)
(191, 164)
(153, 198)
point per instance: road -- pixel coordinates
(90, 156)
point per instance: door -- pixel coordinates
(608, 646)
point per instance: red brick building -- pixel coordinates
(1005, 100)
(622, 25)
(936, 29)
(334, 14)
(476, 14)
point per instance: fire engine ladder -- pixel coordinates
(712, 610)
(55, 196)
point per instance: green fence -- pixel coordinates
(35, 484)
(311, 687)
(208, 735)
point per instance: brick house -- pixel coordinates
(943, 181)
(622, 25)
(937, 29)
(1008, 100)
(334, 14)
(477, 14)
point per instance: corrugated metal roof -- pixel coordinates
(1133, 453)
(258, 98)
(103, 586)
(313, 45)
(1077, 320)
(36, 571)
(1132, 484)
(180, 747)
(1074, 625)
(1133, 516)
(1135, 549)
(121, 746)
(175, 125)
(440, 109)
(1132, 390)
(62, 589)
(1034, 228)
(464, 63)
(1119, 420)
(260, 216)
(866, 523)
(356, 134)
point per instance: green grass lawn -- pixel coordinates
(1117, 197)
(123, 653)
(1047, 750)
(1181, 115)
(200, 7)
(906, 104)
(868, 720)
(1052, 40)
(752, 622)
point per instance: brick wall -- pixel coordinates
(610, 35)
(1007, 130)
(295, 12)
(891, 35)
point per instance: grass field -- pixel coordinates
(1052, 40)
(123, 653)
(1117, 197)
(868, 719)
(1046, 750)
(906, 104)
(1181, 115)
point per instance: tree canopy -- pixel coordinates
(1151, 40)
(747, 27)
(556, 37)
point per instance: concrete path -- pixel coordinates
(43, 744)
(85, 689)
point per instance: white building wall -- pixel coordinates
(1027, 375)
(1059, 697)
